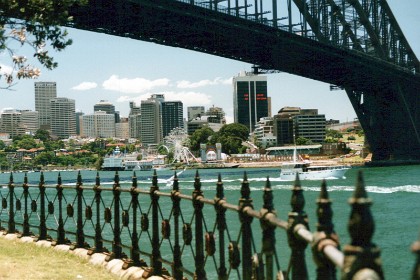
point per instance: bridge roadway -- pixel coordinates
(384, 95)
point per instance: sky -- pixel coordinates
(104, 67)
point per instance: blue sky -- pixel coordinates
(104, 67)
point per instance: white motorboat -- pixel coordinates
(307, 171)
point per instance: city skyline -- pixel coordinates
(122, 70)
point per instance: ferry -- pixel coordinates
(114, 162)
(307, 171)
(138, 165)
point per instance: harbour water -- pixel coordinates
(395, 192)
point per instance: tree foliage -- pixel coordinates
(200, 136)
(303, 141)
(231, 137)
(35, 24)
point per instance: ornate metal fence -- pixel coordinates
(164, 228)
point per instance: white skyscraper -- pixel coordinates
(44, 92)
(98, 125)
(63, 117)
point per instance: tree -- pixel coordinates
(42, 135)
(200, 136)
(2, 145)
(231, 137)
(36, 24)
(303, 141)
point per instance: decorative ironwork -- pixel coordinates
(360, 256)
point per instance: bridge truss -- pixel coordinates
(356, 45)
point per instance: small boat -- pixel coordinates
(307, 171)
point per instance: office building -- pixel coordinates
(310, 125)
(151, 120)
(134, 121)
(172, 116)
(293, 122)
(122, 129)
(63, 117)
(79, 124)
(216, 114)
(44, 92)
(194, 112)
(250, 102)
(99, 125)
(30, 121)
(107, 107)
(11, 123)
(263, 133)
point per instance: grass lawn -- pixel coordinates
(22, 261)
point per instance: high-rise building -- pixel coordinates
(30, 120)
(250, 102)
(122, 130)
(11, 123)
(44, 92)
(99, 125)
(107, 107)
(172, 116)
(79, 124)
(134, 120)
(151, 120)
(195, 111)
(217, 114)
(293, 122)
(63, 117)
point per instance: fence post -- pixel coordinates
(134, 250)
(325, 235)
(361, 256)
(177, 264)
(99, 244)
(246, 201)
(116, 243)
(25, 187)
(268, 236)
(156, 262)
(61, 235)
(42, 225)
(221, 226)
(80, 237)
(11, 222)
(200, 273)
(297, 217)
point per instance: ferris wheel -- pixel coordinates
(177, 142)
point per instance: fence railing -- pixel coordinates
(165, 228)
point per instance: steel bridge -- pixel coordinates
(355, 45)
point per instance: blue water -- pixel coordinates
(395, 192)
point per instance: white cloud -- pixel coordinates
(203, 83)
(136, 85)
(85, 86)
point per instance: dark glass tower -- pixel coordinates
(250, 99)
(172, 116)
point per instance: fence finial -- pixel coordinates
(245, 190)
(361, 255)
(97, 179)
(197, 181)
(268, 196)
(175, 184)
(219, 188)
(59, 178)
(134, 180)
